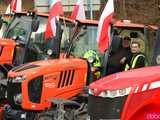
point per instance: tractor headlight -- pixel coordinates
(113, 93)
(90, 60)
(18, 98)
(122, 92)
(18, 79)
(104, 94)
(93, 91)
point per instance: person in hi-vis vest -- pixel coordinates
(138, 59)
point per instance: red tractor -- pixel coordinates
(129, 95)
(52, 89)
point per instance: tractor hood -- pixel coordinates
(32, 67)
(44, 67)
(127, 79)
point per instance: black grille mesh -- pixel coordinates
(105, 108)
(12, 90)
(35, 89)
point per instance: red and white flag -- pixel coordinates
(16, 5)
(56, 10)
(104, 36)
(78, 11)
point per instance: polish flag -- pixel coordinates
(16, 5)
(78, 11)
(104, 36)
(56, 10)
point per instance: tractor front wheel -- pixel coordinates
(54, 115)
(2, 75)
(44, 116)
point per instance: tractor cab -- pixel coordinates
(23, 39)
(79, 36)
(84, 46)
(24, 31)
(144, 34)
(131, 94)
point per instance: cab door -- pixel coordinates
(155, 47)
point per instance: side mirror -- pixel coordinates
(35, 25)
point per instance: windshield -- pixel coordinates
(21, 30)
(19, 27)
(6, 20)
(36, 42)
(85, 39)
(134, 34)
(67, 32)
(17, 31)
(38, 36)
(146, 36)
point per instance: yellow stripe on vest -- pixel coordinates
(127, 67)
(135, 60)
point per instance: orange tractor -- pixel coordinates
(21, 36)
(52, 89)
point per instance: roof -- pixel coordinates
(116, 23)
(123, 23)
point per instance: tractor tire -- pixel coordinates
(44, 116)
(69, 115)
(3, 90)
(81, 117)
(2, 75)
(52, 115)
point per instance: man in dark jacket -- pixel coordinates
(118, 59)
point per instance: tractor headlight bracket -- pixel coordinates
(18, 79)
(18, 98)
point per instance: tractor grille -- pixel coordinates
(66, 78)
(105, 108)
(35, 89)
(12, 90)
